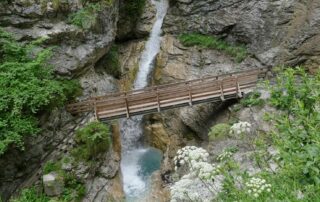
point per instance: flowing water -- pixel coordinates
(138, 162)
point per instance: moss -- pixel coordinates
(74, 189)
(157, 75)
(219, 131)
(129, 78)
(253, 99)
(92, 140)
(133, 9)
(52, 167)
(112, 63)
(238, 52)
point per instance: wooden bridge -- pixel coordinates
(163, 97)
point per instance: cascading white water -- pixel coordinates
(133, 167)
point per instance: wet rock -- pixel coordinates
(157, 191)
(157, 135)
(53, 184)
(128, 28)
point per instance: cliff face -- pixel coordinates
(75, 53)
(276, 32)
(76, 49)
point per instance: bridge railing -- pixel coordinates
(169, 95)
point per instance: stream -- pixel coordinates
(138, 161)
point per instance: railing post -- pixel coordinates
(190, 93)
(127, 107)
(221, 90)
(239, 94)
(95, 109)
(158, 100)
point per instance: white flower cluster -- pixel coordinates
(206, 171)
(240, 128)
(225, 156)
(256, 186)
(180, 190)
(190, 155)
(201, 173)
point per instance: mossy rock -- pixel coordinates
(219, 131)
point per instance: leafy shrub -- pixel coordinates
(28, 86)
(253, 99)
(86, 17)
(219, 130)
(31, 195)
(93, 139)
(239, 52)
(297, 135)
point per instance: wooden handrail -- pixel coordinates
(156, 98)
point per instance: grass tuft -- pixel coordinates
(238, 52)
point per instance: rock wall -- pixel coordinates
(75, 54)
(276, 32)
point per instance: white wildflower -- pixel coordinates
(190, 155)
(240, 128)
(225, 156)
(256, 186)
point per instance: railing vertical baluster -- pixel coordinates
(127, 107)
(158, 100)
(221, 90)
(190, 93)
(239, 94)
(96, 117)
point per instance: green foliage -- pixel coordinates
(51, 167)
(239, 52)
(219, 130)
(105, 2)
(112, 62)
(296, 138)
(253, 99)
(92, 140)
(133, 9)
(87, 16)
(74, 189)
(28, 86)
(31, 195)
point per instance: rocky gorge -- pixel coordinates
(275, 33)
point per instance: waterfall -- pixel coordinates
(133, 153)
